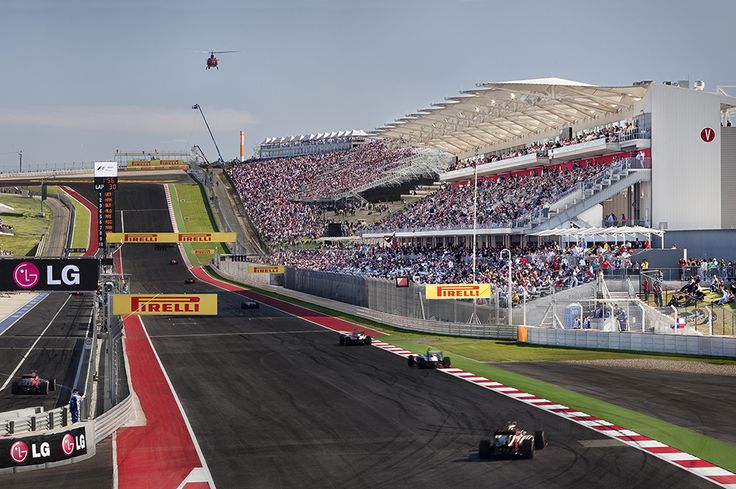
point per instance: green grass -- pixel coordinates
(27, 225)
(80, 235)
(470, 355)
(194, 215)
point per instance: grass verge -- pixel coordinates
(28, 226)
(80, 233)
(470, 354)
(192, 214)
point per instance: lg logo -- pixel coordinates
(707, 134)
(26, 275)
(19, 452)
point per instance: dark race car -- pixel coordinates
(355, 338)
(431, 359)
(249, 304)
(511, 441)
(31, 383)
(174, 261)
(189, 281)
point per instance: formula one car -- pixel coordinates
(249, 304)
(189, 281)
(174, 261)
(355, 338)
(31, 383)
(431, 359)
(511, 441)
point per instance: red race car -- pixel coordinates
(31, 383)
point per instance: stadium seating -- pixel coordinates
(501, 202)
(272, 190)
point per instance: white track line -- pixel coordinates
(10, 377)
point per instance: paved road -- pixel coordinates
(57, 326)
(275, 402)
(702, 403)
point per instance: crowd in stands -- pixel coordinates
(271, 190)
(542, 148)
(500, 202)
(535, 270)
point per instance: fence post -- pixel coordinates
(51, 420)
(710, 321)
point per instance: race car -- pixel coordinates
(189, 281)
(174, 261)
(31, 383)
(431, 359)
(355, 338)
(249, 304)
(511, 441)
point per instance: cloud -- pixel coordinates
(124, 118)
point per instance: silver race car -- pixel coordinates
(355, 338)
(431, 359)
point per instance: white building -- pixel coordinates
(678, 154)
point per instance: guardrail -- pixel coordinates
(108, 423)
(40, 421)
(45, 173)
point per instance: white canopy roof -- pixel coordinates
(503, 114)
(609, 231)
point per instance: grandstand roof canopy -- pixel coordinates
(612, 233)
(316, 137)
(501, 112)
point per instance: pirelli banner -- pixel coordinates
(458, 291)
(265, 269)
(165, 304)
(171, 237)
(150, 163)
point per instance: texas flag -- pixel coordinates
(680, 323)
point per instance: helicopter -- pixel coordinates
(212, 60)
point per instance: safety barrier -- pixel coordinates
(717, 346)
(40, 420)
(113, 419)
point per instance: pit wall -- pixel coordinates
(716, 346)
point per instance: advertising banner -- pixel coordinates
(43, 448)
(204, 252)
(265, 269)
(458, 291)
(146, 163)
(106, 169)
(171, 237)
(165, 304)
(52, 274)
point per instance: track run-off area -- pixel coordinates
(268, 398)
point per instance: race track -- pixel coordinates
(275, 402)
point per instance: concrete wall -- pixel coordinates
(685, 169)
(720, 346)
(383, 295)
(728, 177)
(710, 243)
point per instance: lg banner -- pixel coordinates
(41, 449)
(72, 274)
(165, 304)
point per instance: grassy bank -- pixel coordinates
(193, 215)
(28, 226)
(80, 233)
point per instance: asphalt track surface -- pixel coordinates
(702, 403)
(275, 401)
(61, 322)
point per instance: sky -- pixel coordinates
(84, 78)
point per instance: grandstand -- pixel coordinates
(542, 135)
(310, 144)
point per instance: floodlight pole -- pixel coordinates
(20, 161)
(509, 299)
(475, 212)
(197, 107)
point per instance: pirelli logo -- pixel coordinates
(204, 252)
(165, 304)
(265, 269)
(171, 237)
(458, 291)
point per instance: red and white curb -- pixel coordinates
(676, 457)
(170, 205)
